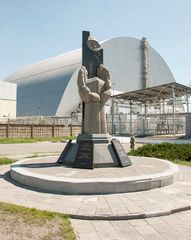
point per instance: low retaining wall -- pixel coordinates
(30, 131)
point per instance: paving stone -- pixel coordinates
(108, 234)
(119, 211)
(144, 230)
(163, 227)
(181, 235)
(102, 225)
(170, 219)
(83, 226)
(188, 234)
(133, 208)
(103, 211)
(130, 235)
(122, 225)
(156, 236)
(125, 230)
(154, 220)
(87, 208)
(88, 236)
(138, 222)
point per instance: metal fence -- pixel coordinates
(139, 125)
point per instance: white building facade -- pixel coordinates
(8, 94)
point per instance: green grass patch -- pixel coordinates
(178, 153)
(185, 163)
(40, 217)
(33, 140)
(5, 161)
(36, 155)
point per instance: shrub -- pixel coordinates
(165, 151)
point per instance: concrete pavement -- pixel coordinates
(172, 227)
(156, 202)
(143, 204)
(22, 149)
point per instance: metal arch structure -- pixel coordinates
(172, 92)
(45, 88)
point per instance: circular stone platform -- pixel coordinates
(45, 174)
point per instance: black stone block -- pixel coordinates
(120, 153)
(84, 157)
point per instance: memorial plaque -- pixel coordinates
(121, 155)
(84, 157)
(60, 159)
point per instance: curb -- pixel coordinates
(130, 216)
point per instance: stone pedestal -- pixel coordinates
(94, 151)
(96, 138)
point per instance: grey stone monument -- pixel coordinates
(94, 92)
(94, 146)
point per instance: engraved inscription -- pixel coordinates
(84, 157)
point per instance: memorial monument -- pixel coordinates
(94, 146)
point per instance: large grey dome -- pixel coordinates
(50, 86)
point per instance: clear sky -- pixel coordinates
(33, 30)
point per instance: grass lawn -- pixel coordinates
(5, 161)
(37, 155)
(29, 223)
(33, 140)
(181, 162)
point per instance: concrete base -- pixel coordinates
(45, 174)
(96, 138)
(104, 154)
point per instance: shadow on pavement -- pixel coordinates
(37, 165)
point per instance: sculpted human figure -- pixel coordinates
(94, 92)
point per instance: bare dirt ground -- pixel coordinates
(16, 227)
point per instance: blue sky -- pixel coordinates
(32, 30)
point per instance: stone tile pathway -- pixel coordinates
(115, 207)
(172, 227)
(155, 202)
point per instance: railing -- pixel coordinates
(156, 125)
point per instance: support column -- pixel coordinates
(112, 116)
(145, 125)
(119, 123)
(53, 131)
(173, 108)
(131, 130)
(187, 102)
(163, 118)
(7, 129)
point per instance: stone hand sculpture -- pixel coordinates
(94, 92)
